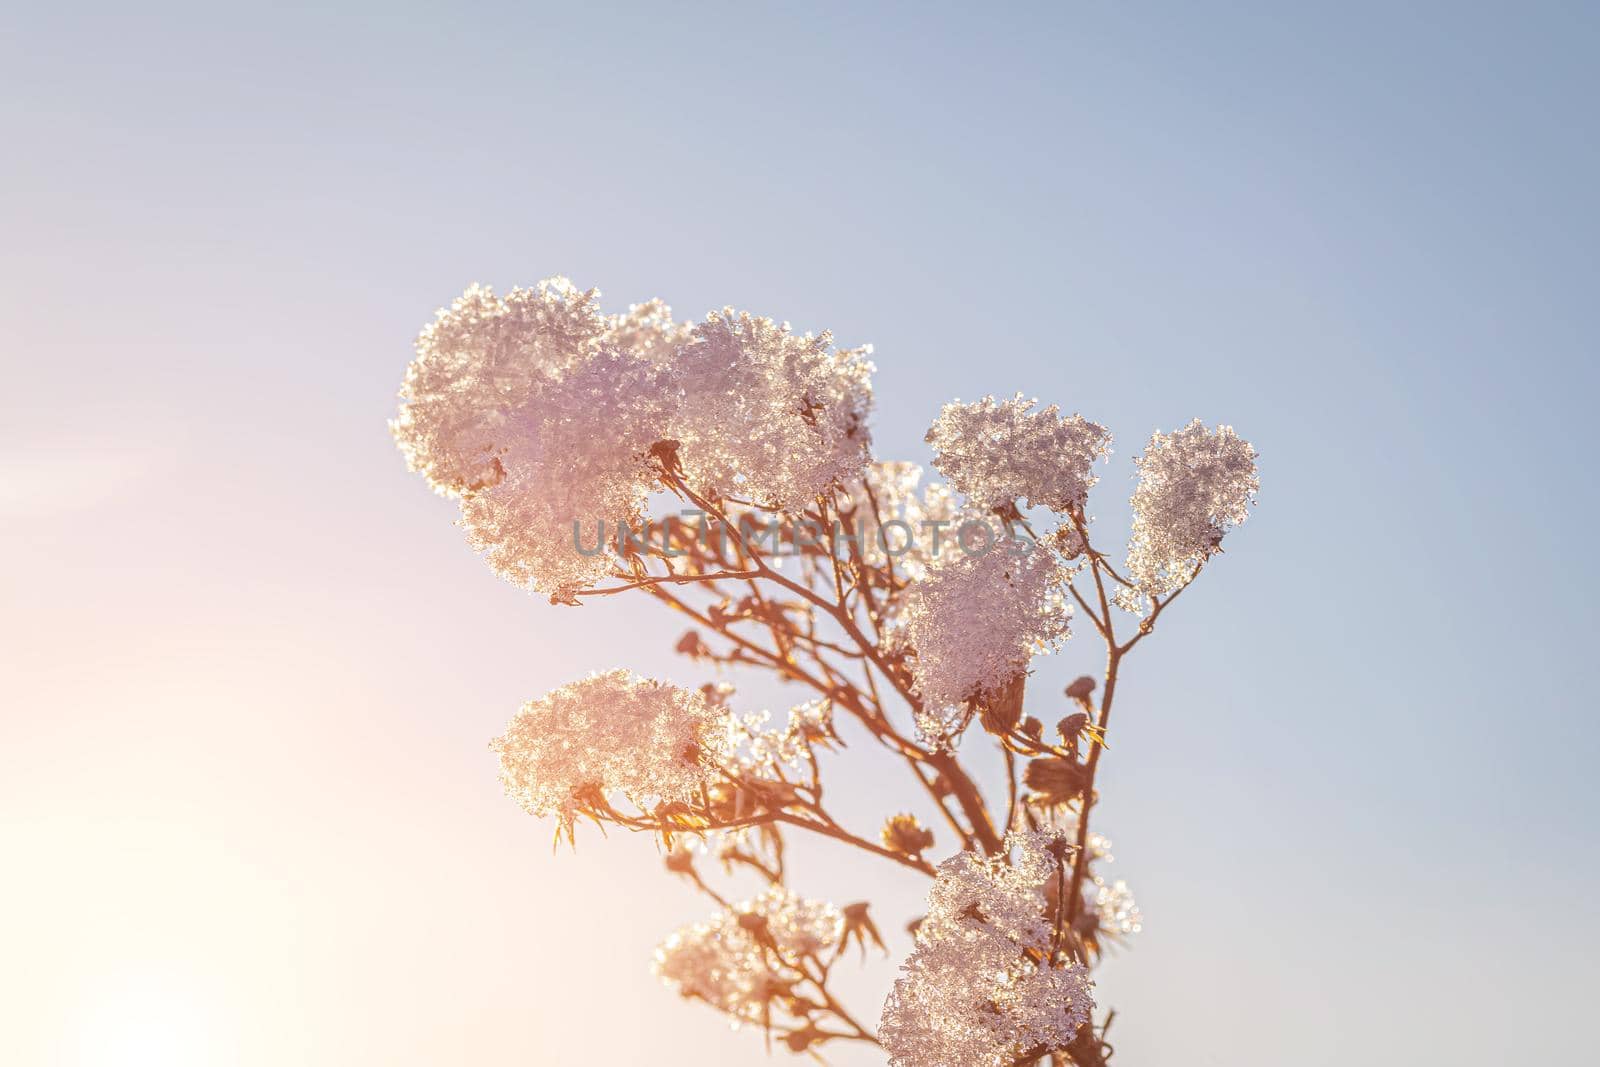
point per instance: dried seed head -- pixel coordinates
(1001, 709)
(1081, 688)
(692, 646)
(1059, 848)
(1055, 780)
(859, 925)
(1067, 541)
(1071, 727)
(800, 1040)
(975, 622)
(905, 835)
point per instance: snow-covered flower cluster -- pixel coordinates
(1108, 907)
(1117, 909)
(976, 620)
(769, 415)
(543, 417)
(900, 520)
(540, 413)
(580, 452)
(479, 365)
(612, 733)
(1113, 903)
(764, 751)
(987, 981)
(1195, 485)
(1001, 451)
(647, 330)
(747, 959)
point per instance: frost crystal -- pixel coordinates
(976, 620)
(661, 744)
(1000, 451)
(769, 415)
(1194, 486)
(1119, 913)
(987, 981)
(747, 957)
(647, 330)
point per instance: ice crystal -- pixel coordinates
(647, 330)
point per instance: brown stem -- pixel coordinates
(966, 792)
(665, 579)
(838, 833)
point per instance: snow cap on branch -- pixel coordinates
(748, 958)
(612, 733)
(976, 620)
(1195, 485)
(986, 981)
(540, 413)
(769, 415)
(478, 366)
(1000, 451)
(578, 456)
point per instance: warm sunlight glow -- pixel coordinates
(143, 1019)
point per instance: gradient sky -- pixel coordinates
(249, 669)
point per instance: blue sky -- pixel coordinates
(252, 667)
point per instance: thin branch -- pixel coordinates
(666, 579)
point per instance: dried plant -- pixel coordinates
(907, 613)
